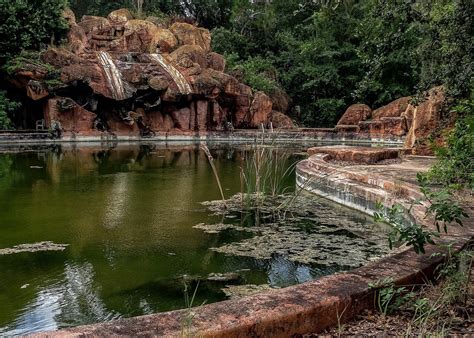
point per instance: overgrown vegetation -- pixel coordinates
(7, 107)
(438, 308)
(28, 24)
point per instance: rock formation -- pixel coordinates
(135, 77)
(399, 118)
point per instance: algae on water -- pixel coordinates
(302, 228)
(33, 247)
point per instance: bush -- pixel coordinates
(6, 107)
(225, 41)
(455, 167)
(257, 72)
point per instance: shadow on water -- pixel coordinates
(127, 213)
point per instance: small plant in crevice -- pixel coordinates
(388, 297)
(187, 321)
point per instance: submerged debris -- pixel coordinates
(239, 291)
(33, 247)
(216, 228)
(224, 277)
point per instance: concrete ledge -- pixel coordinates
(365, 155)
(284, 135)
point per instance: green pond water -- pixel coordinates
(127, 213)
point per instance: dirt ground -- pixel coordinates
(456, 319)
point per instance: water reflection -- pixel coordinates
(70, 301)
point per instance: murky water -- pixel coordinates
(127, 213)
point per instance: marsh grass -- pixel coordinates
(264, 175)
(267, 189)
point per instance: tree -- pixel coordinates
(27, 24)
(209, 13)
(446, 51)
(389, 35)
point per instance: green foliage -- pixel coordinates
(258, 73)
(431, 310)
(229, 42)
(404, 230)
(6, 107)
(446, 51)
(389, 34)
(442, 205)
(455, 167)
(388, 297)
(26, 60)
(31, 60)
(330, 54)
(26, 24)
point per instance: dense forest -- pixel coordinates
(326, 54)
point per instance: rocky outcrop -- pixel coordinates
(135, 77)
(355, 155)
(420, 124)
(354, 114)
(191, 35)
(281, 121)
(260, 109)
(393, 109)
(425, 120)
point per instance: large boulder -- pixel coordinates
(164, 40)
(189, 55)
(158, 83)
(393, 109)
(69, 16)
(77, 39)
(281, 100)
(141, 36)
(260, 109)
(281, 121)
(354, 114)
(191, 35)
(426, 120)
(216, 61)
(94, 24)
(243, 100)
(211, 83)
(120, 16)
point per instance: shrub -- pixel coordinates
(6, 107)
